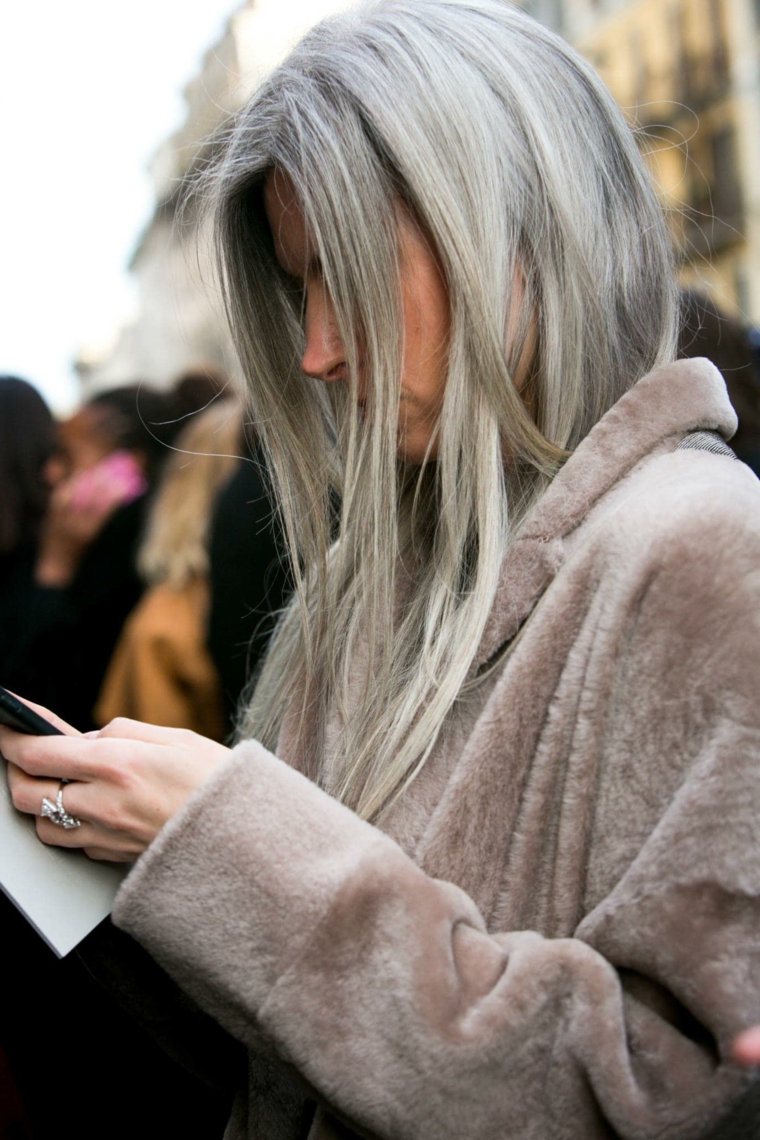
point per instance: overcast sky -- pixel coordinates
(87, 92)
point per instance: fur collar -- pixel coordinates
(685, 396)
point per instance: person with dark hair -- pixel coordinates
(139, 419)
(27, 439)
(197, 388)
(27, 443)
(67, 602)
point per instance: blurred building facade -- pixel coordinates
(686, 72)
(180, 322)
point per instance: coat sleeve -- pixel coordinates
(308, 933)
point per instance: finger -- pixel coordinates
(92, 802)
(127, 729)
(53, 757)
(89, 803)
(110, 845)
(102, 855)
(27, 792)
(746, 1047)
(56, 835)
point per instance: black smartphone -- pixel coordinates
(15, 714)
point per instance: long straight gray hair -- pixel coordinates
(526, 181)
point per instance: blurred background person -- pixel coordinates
(197, 388)
(27, 441)
(66, 609)
(75, 498)
(161, 670)
(68, 602)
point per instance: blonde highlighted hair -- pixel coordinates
(175, 547)
(525, 178)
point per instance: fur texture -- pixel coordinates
(556, 933)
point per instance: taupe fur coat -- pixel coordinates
(559, 934)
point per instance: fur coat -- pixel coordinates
(556, 935)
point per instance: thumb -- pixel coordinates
(746, 1047)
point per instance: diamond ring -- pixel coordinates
(56, 812)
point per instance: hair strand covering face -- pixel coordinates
(525, 178)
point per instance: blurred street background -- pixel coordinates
(107, 115)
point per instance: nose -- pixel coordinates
(324, 357)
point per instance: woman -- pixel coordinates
(499, 878)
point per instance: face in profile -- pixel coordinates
(425, 309)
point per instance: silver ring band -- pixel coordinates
(57, 813)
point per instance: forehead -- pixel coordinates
(292, 245)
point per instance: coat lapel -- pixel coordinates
(475, 835)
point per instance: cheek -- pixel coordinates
(426, 332)
(427, 328)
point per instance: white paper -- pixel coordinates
(62, 893)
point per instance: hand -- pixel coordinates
(128, 779)
(746, 1047)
